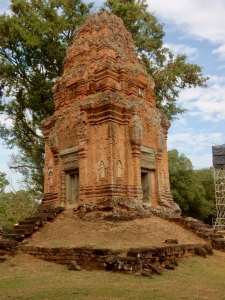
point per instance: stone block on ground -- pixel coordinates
(146, 273)
(174, 262)
(199, 250)
(171, 241)
(170, 266)
(73, 266)
(208, 248)
(155, 269)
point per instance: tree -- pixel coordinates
(33, 42)
(3, 182)
(205, 176)
(16, 206)
(187, 187)
(171, 73)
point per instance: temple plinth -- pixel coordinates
(105, 145)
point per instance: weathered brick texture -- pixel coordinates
(106, 139)
(134, 260)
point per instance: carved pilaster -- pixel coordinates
(63, 190)
(135, 132)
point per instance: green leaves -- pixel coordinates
(33, 43)
(192, 189)
(16, 206)
(3, 182)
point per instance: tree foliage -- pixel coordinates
(15, 207)
(192, 189)
(171, 73)
(3, 182)
(33, 42)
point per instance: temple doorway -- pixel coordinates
(72, 188)
(146, 186)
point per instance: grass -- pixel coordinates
(27, 278)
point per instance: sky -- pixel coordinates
(194, 28)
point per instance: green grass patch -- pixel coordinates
(27, 278)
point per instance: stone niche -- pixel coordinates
(105, 145)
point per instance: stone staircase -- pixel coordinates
(25, 228)
(205, 231)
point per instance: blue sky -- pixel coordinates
(196, 28)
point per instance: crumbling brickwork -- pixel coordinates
(105, 145)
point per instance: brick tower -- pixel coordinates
(105, 145)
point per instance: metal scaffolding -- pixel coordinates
(219, 180)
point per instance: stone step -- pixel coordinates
(219, 240)
(21, 231)
(37, 217)
(5, 243)
(217, 236)
(174, 219)
(59, 209)
(194, 225)
(204, 226)
(48, 215)
(31, 222)
(13, 236)
(204, 230)
(28, 226)
(48, 201)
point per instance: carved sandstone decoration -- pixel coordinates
(148, 160)
(53, 141)
(70, 159)
(136, 130)
(50, 176)
(106, 137)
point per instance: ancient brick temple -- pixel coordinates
(105, 145)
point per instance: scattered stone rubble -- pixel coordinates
(205, 231)
(7, 248)
(140, 261)
(113, 210)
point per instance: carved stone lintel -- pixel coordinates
(70, 159)
(68, 151)
(148, 161)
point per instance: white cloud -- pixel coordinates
(182, 49)
(208, 104)
(201, 19)
(195, 145)
(201, 161)
(194, 141)
(220, 51)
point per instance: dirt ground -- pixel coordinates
(69, 231)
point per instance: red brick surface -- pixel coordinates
(106, 125)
